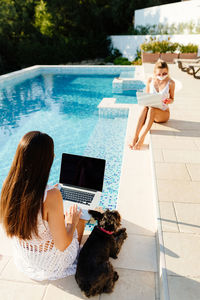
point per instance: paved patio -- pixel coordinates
(176, 151)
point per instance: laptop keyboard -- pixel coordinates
(77, 196)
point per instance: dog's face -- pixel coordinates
(110, 220)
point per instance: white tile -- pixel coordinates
(147, 227)
(182, 253)
(179, 191)
(158, 155)
(5, 245)
(181, 156)
(136, 162)
(10, 272)
(188, 217)
(65, 289)
(194, 171)
(135, 198)
(132, 285)
(10, 290)
(173, 143)
(168, 217)
(181, 125)
(183, 288)
(3, 261)
(171, 171)
(135, 203)
(197, 142)
(187, 134)
(138, 253)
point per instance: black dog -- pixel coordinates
(95, 274)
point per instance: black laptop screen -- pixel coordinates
(81, 171)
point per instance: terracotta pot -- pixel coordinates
(150, 57)
(169, 57)
(188, 55)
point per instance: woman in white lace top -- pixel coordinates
(46, 243)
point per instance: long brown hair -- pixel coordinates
(23, 189)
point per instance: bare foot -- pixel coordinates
(139, 144)
(133, 143)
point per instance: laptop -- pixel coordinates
(81, 182)
(146, 99)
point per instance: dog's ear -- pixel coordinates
(116, 214)
(95, 214)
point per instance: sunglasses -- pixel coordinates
(162, 74)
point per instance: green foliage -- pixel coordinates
(114, 53)
(189, 48)
(60, 31)
(156, 46)
(43, 19)
(121, 61)
(138, 54)
(116, 58)
(137, 62)
(138, 59)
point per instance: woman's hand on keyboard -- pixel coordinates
(74, 215)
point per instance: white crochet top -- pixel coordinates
(39, 259)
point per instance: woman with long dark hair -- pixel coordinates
(46, 244)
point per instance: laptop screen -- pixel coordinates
(82, 171)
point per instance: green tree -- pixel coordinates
(59, 31)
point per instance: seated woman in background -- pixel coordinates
(160, 83)
(46, 243)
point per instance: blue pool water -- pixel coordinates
(128, 97)
(65, 107)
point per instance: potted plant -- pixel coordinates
(155, 49)
(167, 50)
(150, 51)
(188, 51)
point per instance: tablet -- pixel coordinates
(146, 99)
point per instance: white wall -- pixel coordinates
(179, 12)
(128, 44)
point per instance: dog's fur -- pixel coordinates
(95, 274)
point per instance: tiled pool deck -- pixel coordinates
(176, 151)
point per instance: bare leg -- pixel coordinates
(154, 114)
(80, 229)
(140, 124)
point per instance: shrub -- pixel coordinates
(189, 48)
(121, 61)
(137, 62)
(114, 53)
(116, 58)
(156, 46)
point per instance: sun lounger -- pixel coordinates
(193, 69)
(183, 63)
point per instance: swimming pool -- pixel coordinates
(65, 107)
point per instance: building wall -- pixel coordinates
(179, 12)
(128, 44)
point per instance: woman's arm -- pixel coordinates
(171, 93)
(171, 90)
(148, 85)
(62, 236)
